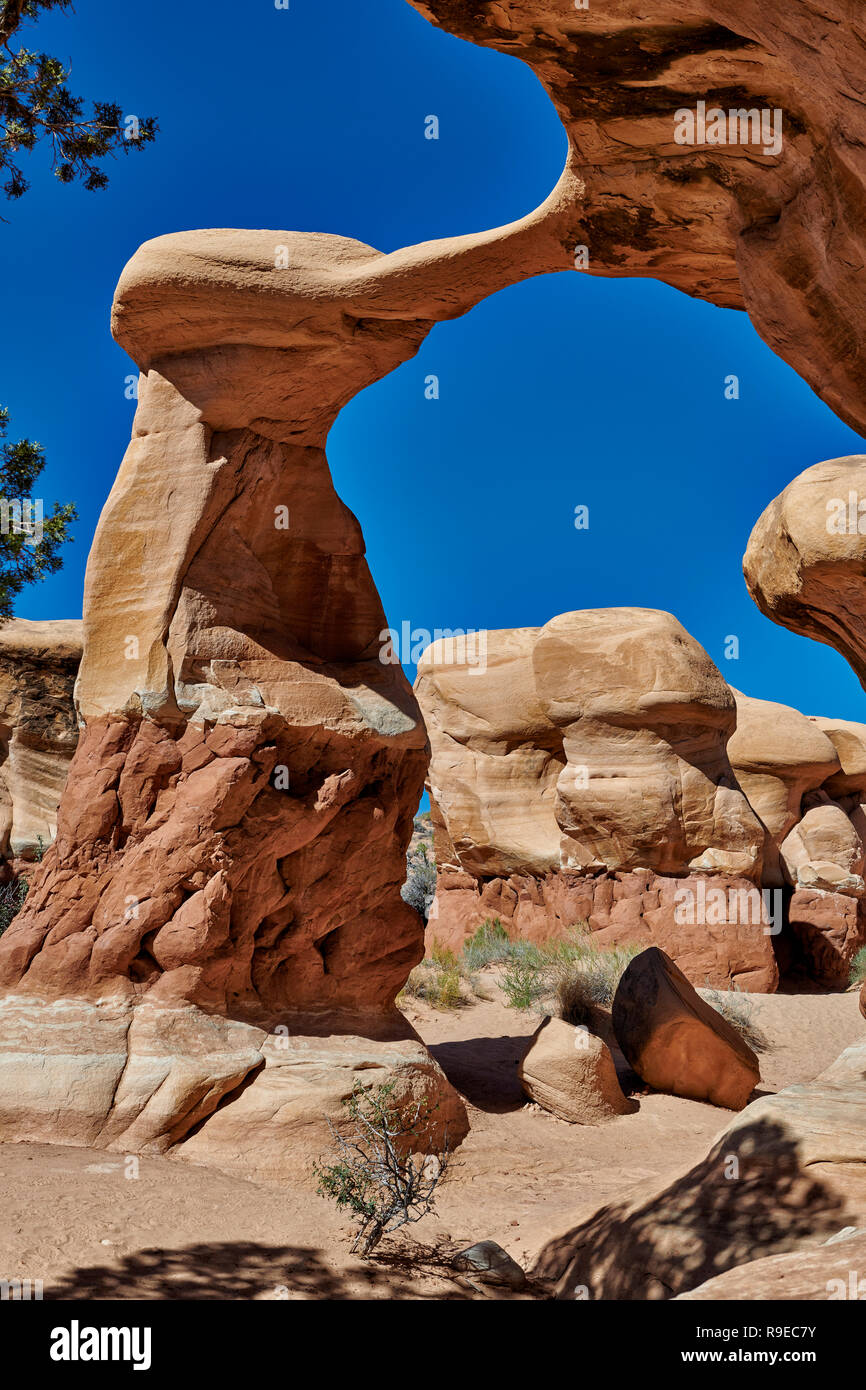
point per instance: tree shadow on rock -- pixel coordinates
(750, 1197)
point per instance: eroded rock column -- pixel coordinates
(804, 567)
(210, 956)
(580, 774)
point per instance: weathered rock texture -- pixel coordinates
(583, 775)
(673, 1039)
(804, 567)
(600, 770)
(38, 729)
(778, 756)
(571, 1072)
(829, 1272)
(786, 1174)
(781, 235)
(805, 779)
(805, 564)
(220, 915)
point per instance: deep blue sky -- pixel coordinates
(561, 391)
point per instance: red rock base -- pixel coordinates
(724, 945)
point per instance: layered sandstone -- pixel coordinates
(804, 567)
(600, 771)
(774, 227)
(38, 729)
(778, 755)
(615, 721)
(805, 779)
(583, 775)
(212, 950)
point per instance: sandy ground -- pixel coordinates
(72, 1218)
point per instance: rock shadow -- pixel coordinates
(484, 1070)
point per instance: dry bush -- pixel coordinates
(858, 967)
(738, 1010)
(442, 981)
(374, 1175)
(589, 981)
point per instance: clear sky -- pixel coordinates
(562, 391)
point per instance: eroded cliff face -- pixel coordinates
(804, 567)
(38, 730)
(781, 233)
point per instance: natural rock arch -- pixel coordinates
(196, 901)
(213, 948)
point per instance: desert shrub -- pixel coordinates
(489, 944)
(569, 975)
(442, 981)
(588, 980)
(738, 1010)
(858, 967)
(374, 1176)
(12, 897)
(524, 981)
(419, 889)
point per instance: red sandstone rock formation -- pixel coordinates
(673, 1039)
(220, 917)
(779, 234)
(594, 771)
(38, 731)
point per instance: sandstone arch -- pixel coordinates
(213, 948)
(781, 236)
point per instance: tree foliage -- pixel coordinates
(375, 1177)
(36, 105)
(29, 540)
(419, 890)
